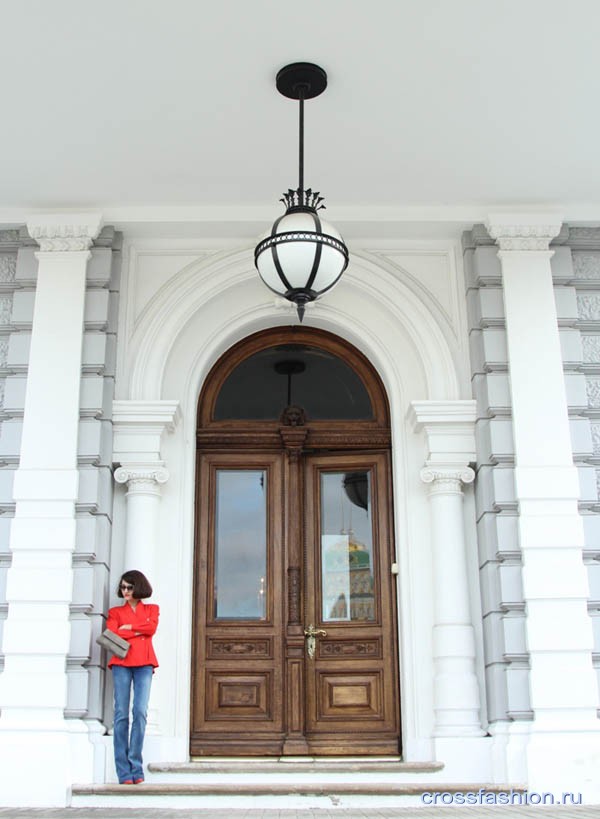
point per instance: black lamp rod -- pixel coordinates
(301, 143)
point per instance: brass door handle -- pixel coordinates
(311, 633)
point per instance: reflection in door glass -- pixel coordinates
(347, 547)
(241, 545)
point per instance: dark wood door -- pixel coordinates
(237, 674)
(351, 668)
(290, 543)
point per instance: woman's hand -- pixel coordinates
(126, 626)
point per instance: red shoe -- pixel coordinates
(127, 782)
(137, 781)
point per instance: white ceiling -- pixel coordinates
(441, 109)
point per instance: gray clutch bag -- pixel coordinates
(113, 643)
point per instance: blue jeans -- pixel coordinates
(128, 750)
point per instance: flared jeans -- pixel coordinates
(128, 748)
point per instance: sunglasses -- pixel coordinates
(126, 587)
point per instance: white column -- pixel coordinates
(563, 688)
(143, 498)
(451, 448)
(138, 428)
(33, 686)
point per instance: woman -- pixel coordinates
(136, 622)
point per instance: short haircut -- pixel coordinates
(141, 587)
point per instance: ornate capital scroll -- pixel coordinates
(142, 479)
(447, 481)
(66, 232)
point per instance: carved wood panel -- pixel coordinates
(349, 648)
(347, 696)
(232, 648)
(238, 696)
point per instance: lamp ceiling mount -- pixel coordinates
(301, 81)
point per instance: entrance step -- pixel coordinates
(294, 765)
(301, 783)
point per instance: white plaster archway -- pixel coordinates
(205, 309)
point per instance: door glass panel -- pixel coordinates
(319, 382)
(347, 583)
(240, 585)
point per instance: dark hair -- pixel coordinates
(139, 581)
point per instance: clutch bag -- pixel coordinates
(113, 643)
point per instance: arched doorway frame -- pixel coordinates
(256, 688)
(209, 306)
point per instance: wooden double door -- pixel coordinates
(295, 636)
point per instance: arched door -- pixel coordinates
(295, 636)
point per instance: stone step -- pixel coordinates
(293, 765)
(238, 792)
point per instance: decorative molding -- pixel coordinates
(293, 595)
(136, 413)
(591, 348)
(450, 431)
(524, 232)
(68, 232)
(239, 648)
(422, 413)
(592, 386)
(447, 481)
(142, 477)
(9, 239)
(5, 309)
(138, 427)
(595, 430)
(584, 238)
(588, 305)
(8, 268)
(345, 648)
(4, 340)
(586, 266)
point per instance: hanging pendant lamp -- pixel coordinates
(303, 256)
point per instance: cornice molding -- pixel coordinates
(584, 238)
(138, 427)
(67, 232)
(146, 413)
(450, 434)
(523, 231)
(421, 413)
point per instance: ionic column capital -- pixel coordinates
(64, 232)
(142, 478)
(447, 481)
(524, 231)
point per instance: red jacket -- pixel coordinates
(144, 622)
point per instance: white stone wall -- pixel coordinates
(18, 275)
(583, 287)
(9, 245)
(576, 277)
(506, 659)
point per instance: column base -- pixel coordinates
(466, 759)
(39, 765)
(564, 763)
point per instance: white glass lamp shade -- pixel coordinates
(302, 257)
